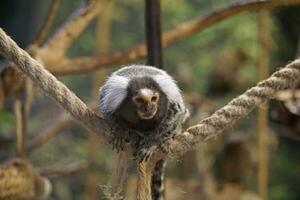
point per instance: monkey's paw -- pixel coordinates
(143, 154)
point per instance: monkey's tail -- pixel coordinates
(158, 181)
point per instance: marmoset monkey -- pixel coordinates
(144, 107)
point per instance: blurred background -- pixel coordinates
(211, 67)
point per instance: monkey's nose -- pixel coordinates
(149, 107)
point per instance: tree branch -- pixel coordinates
(219, 14)
(49, 133)
(55, 48)
(263, 114)
(52, 87)
(58, 64)
(54, 129)
(20, 133)
(179, 32)
(103, 60)
(63, 169)
(47, 23)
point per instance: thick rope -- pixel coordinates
(236, 109)
(206, 129)
(52, 87)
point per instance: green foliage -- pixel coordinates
(6, 122)
(284, 174)
(190, 61)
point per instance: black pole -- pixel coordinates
(153, 33)
(154, 58)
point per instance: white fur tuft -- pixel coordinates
(146, 92)
(169, 87)
(115, 90)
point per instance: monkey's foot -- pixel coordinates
(143, 154)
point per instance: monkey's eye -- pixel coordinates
(154, 99)
(139, 100)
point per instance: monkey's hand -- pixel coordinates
(144, 149)
(144, 154)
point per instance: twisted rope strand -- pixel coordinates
(52, 87)
(236, 109)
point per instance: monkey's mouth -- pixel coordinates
(146, 115)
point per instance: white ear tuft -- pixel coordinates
(169, 87)
(113, 93)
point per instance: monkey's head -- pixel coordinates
(138, 96)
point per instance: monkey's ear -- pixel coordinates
(113, 92)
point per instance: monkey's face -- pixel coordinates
(146, 102)
(145, 105)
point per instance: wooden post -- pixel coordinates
(262, 118)
(103, 35)
(154, 58)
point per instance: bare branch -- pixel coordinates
(49, 132)
(58, 64)
(53, 130)
(102, 60)
(52, 87)
(63, 169)
(47, 23)
(179, 32)
(20, 134)
(262, 115)
(219, 14)
(54, 49)
(11, 82)
(28, 97)
(64, 37)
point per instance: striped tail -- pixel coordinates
(158, 181)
